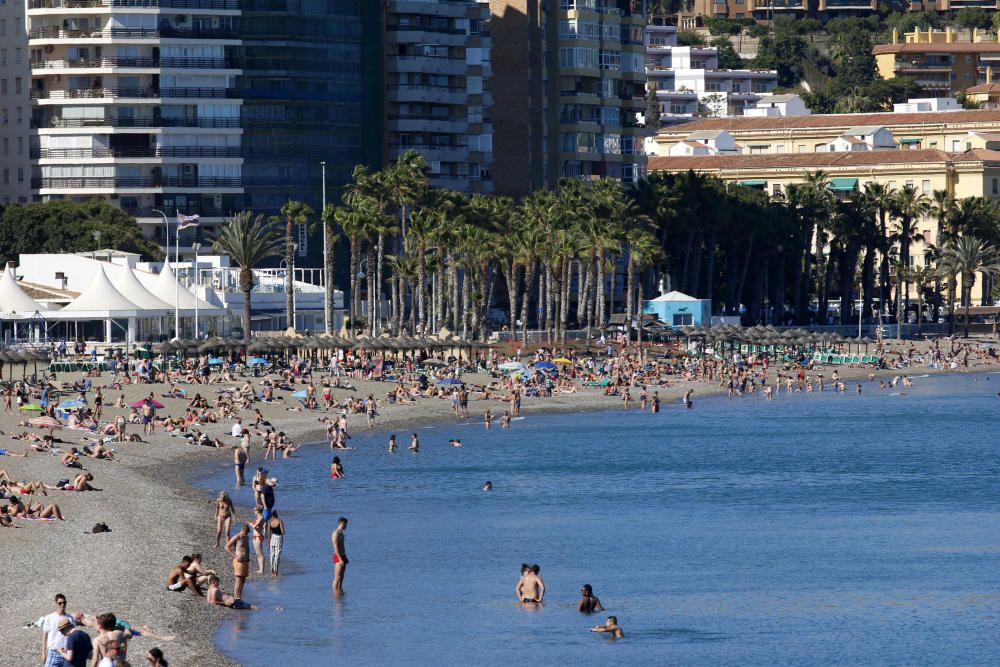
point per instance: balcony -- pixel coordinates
(60, 122)
(140, 93)
(922, 65)
(55, 32)
(165, 63)
(203, 211)
(112, 182)
(137, 152)
(96, 4)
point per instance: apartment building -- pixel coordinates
(689, 83)
(136, 103)
(15, 105)
(438, 89)
(952, 131)
(766, 10)
(938, 60)
(569, 79)
(312, 85)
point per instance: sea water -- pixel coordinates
(814, 529)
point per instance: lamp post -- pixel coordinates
(97, 242)
(166, 228)
(177, 282)
(327, 285)
(196, 247)
(362, 276)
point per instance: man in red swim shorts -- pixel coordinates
(339, 556)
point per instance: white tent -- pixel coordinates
(102, 297)
(13, 300)
(136, 292)
(165, 287)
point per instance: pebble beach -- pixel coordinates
(157, 515)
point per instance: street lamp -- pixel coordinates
(166, 228)
(327, 285)
(97, 242)
(196, 247)
(361, 275)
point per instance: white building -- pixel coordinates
(707, 142)
(15, 107)
(689, 83)
(773, 106)
(136, 102)
(867, 138)
(922, 104)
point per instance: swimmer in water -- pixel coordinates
(531, 589)
(588, 601)
(688, 403)
(392, 443)
(414, 444)
(336, 470)
(488, 486)
(610, 626)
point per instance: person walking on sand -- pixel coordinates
(339, 556)
(148, 412)
(238, 547)
(277, 528)
(53, 640)
(225, 514)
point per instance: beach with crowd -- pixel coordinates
(106, 534)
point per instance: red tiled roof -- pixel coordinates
(983, 88)
(816, 160)
(937, 47)
(890, 119)
(36, 291)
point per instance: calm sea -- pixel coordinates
(815, 529)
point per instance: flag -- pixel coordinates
(185, 221)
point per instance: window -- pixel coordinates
(781, 149)
(909, 184)
(925, 187)
(968, 61)
(994, 180)
(3, 116)
(17, 53)
(683, 319)
(968, 77)
(6, 176)
(17, 85)
(20, 145)
(6, 151)
(3, 86)
(776, 189)
(20, 174)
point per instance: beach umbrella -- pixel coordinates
(139, 404)
(215, 361)
(72, 404)
(46, 422)
(256, 361)
(450, 381)
(545, 365)
(301, 393)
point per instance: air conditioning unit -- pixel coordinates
(49, 48)
(187, 170)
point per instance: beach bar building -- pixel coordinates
(677, 309)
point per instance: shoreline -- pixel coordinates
(158, 511)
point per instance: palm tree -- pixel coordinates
(942, 208)
(878, 198)
(921, 277)
(908, 204)
(966, 257)
(248, 240)
(332, 237)
(293, 213)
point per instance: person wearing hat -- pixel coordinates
(53, 640)
(78, 645)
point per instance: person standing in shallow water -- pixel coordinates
(339, 556)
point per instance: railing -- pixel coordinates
(92, 93)
(137, 152)
(424, 28)
(144, 122)
(141, 182)
(202, 63)
(56, 32)
(179, 4)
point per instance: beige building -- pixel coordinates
(15, 104)
(945, 130)
(938, 60)
(973, 173)
(569, 88)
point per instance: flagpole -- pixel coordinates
(177, 284)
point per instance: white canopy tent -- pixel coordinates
(102, 301)
(165, 287)
(128, 284)
(17, 307)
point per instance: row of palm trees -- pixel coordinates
(553, 260)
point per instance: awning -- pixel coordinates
(843, 184)
(756, 182)
(910, 140)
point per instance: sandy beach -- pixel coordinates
(157, 516)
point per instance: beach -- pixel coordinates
(157, 515)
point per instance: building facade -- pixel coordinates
(689, 83)
(438, 89)
(938, 60)
(136, 103)
(571, 75)
(15, 105)
(952, 131)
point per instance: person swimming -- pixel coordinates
(488, 486)
(336, 469)
(610, 626)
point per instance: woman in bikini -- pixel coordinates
(336, 470)
(225, 515)
(257, 533)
